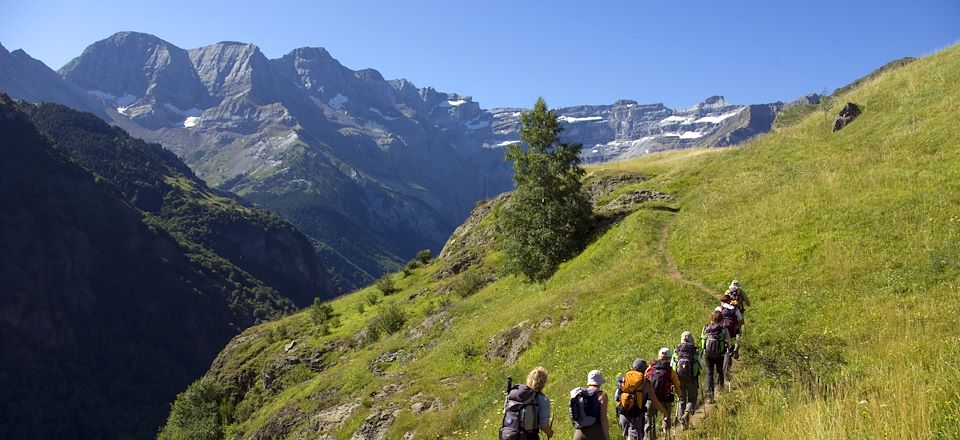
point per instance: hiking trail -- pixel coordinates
(703, 408)
(671, 265)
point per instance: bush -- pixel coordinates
(372, 297)
(410, 267)
(386, 285)
(470, 283)
(322, 316)
(424, 256)
(196, 414)
(387, 322)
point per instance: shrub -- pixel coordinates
(386, 285)
(387, 322)
(372, 297)
(424, 256)
(470, 283)
(322, 316)
(196, 414)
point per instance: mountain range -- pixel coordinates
(372, 170)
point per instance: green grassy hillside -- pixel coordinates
(846, 242)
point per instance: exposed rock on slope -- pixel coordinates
(23, 77)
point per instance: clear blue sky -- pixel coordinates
(506, 53)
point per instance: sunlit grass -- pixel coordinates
(848, 244)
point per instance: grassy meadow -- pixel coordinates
(846, 242)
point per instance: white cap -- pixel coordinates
(664, 353)
(595, 377)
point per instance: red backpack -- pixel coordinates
(659, 377)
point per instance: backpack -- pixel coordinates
(730, 321)
(659, 377)
(686, 360)
(631, 396)
(520, 413)
(584, 407)
(736, 298)
(714, 347)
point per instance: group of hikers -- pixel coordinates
(645, 393)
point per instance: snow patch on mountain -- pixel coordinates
(690, 135)
(718, 119)
(682, 120)
(499, 145)
(191, 121)
(572, 119)
(337, 101)
(452, 103)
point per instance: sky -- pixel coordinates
(507, 53)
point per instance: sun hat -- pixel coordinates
(595, 377)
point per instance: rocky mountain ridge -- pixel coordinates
(371, 169)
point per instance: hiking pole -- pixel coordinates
(506, 397)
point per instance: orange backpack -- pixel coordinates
(631, 394)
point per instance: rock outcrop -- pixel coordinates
(847, 114)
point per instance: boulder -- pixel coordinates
(510, 344)
(846, 116)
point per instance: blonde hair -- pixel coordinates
(537, 379)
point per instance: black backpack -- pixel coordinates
(584, 407)
(520, 413)
(714, 347)
(686, 359)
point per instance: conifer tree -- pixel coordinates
(548, 216)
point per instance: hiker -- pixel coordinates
(665, 382)
(737, 296)
(733, 322)
(714, 340)
(633, 393)
(588, 409)
(686, 362)
(526, 412)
